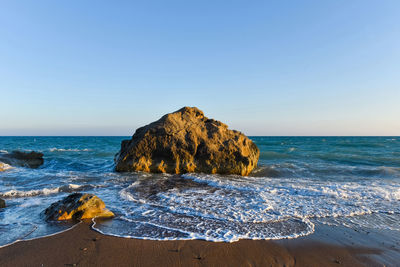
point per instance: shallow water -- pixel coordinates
(351, 181)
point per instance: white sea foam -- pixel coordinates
(126, 195)
(31, 203)
(30, 193)
(166, 230)
(228, 208)
(393, 171)
(54, 149)
(37, 192)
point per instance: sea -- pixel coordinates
(299, 182)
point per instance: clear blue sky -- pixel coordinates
(262, 67)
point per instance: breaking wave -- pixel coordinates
(69, 150)
(45, 191)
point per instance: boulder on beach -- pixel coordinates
(187, 141)
(77, 206)
(2, 203)
(30, 159)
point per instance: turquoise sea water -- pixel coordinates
(300, 181)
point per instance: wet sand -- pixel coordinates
(82, 246)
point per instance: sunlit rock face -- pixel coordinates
(187, 141)
(77, 206)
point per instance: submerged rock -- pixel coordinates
(2, 203)
(23, 159)
(77, 206)
(187, 141)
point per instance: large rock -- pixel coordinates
(2, 203)
(187, 141)
(77, 206)
(22, 159)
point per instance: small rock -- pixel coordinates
(77, 206)
(2, 203)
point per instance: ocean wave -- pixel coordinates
(228, 208)
(45, 191)
(266, 171)
(54, 149)
(381, 171)
(285, 169)
(326, 170)
(360, 144)
(274, 155)
(339, 171)
(127, 195)
(301, 197)
(299, 182)
(188, 228)
(31, 203)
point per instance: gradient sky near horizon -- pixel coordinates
(262, 67)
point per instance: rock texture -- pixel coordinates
(2, 203)
(187, 141)
(22, 159)
(77, 206)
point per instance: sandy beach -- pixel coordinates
(82, 246)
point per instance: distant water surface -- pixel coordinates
(351, 181)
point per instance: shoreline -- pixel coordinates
(82, 246)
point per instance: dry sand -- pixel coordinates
(82, 246)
